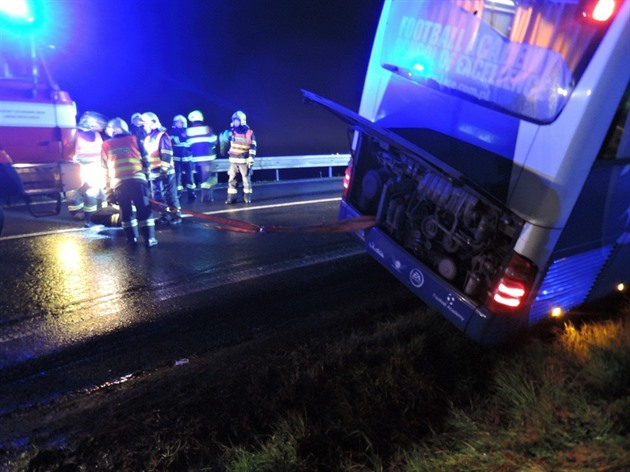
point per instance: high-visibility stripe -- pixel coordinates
(122, 158)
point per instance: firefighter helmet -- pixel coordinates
(91, 120)
(117, 126)
(240, 116)
(151, 120)
(181, 119)
(195, 115)
(136, 116)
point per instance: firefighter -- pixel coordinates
(126, 183)
(11, 186)
(137, 128)
(181, 158)
(159, 149)
(84, 201)
(203, 148)
(239, 143)
(10, 183)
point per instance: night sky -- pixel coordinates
(219, 56)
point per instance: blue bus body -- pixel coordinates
(492, 145)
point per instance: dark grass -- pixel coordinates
(396, 390)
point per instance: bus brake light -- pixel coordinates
(514, 285)
(347, 177)
(601, 10)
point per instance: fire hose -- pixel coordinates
(238, 226)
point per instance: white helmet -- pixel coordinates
(117, 126)
(181, 119)
(151, 120)
(195, 116)
(136, 116)
(91, 120)
(240, 116)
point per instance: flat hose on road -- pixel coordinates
(229, 224)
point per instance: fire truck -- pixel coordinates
(37, 118)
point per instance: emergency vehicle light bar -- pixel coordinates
(16, 9)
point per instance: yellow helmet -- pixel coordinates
(195, 115)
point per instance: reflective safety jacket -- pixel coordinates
(122, 160)
(202, 142)
(159, 151)
(181, 148)
(88, 147)
(242, 145)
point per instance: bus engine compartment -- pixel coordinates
(463, 236)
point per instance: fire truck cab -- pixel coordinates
(37, 118)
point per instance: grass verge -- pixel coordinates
(400, 391)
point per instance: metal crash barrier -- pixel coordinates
(50, 181)
(291, 162)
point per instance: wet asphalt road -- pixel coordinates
(79, 307)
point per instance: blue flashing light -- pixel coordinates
(418, 67)
(17, 10)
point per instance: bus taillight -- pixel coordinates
(347, 177)
(514, 286)
(600, 10)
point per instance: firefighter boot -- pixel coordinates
(206, 195)
(131, 232)
(176, 217)
(148, 233)
(87, 219)
(247, 198)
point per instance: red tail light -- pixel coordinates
(514, 286)
(600, 10)
(347, 177)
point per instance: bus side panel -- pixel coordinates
(615, 271)
(591, 257)
(602, 211)
(615, 227)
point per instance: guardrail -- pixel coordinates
(46, 180)
(291, 162)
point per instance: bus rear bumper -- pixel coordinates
(475, 321)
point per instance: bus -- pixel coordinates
(492, 147)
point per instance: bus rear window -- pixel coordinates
(522, 56)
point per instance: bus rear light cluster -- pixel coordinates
(600, 10)
(347, 177)
(514, 286)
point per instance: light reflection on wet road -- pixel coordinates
(62, 288)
